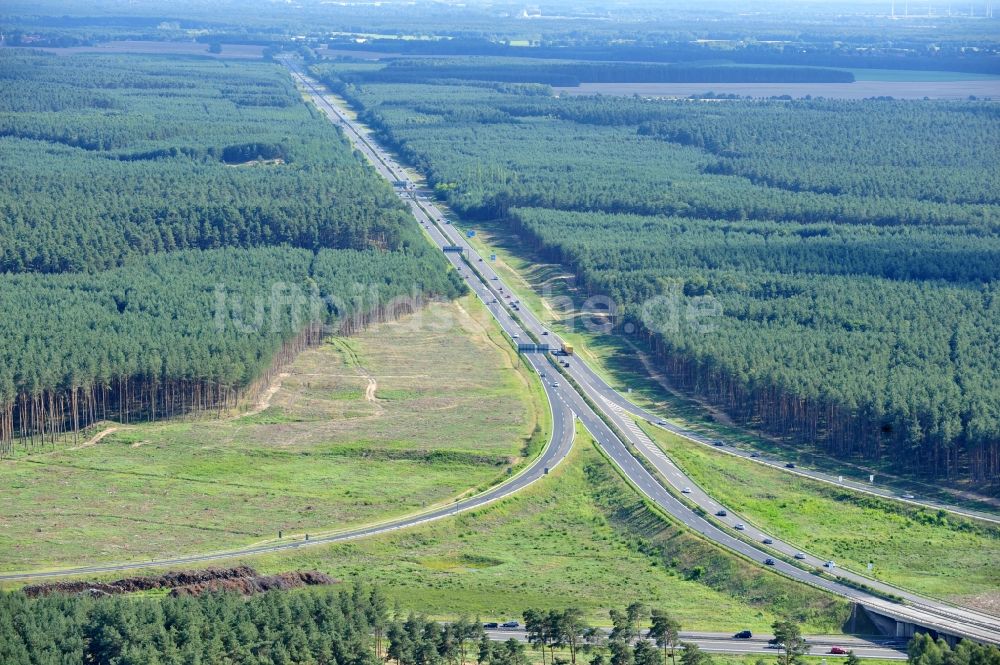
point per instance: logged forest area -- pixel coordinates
(854, 246)
(172, 228)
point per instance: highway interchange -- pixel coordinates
(569, 401)
(490, 288)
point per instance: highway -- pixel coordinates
(614, 409)
(882, 648)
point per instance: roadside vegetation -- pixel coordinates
(930, 552)
(358, 626)
(393, 420)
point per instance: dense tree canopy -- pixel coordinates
(169, 227)
(276, 627)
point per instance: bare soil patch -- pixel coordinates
(94, 440)
(242, 579)
(856, 90)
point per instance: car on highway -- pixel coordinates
(511, 624)
(718, 442)
(909, 496)
(555, 384)
(829, 564)
(491, 625)
(661, 423)
(841, 651)
(755, 454)
(743, 635)
(800, 555)
(790, 465)
(545, 332)
(721, 513)
(768, 541)
(686, 490)
(515, 335)
(494, 278)
(741, 527)
(768, 561)
(775, 643)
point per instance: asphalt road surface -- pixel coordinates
(491, 289)
(820, 645)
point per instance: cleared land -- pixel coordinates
(937, 554)
(582, 537)
(900, 89)
(400, 417)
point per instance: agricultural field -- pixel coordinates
(582, 538)
(852, 281)
(867, 83)
(932, 553)
(860, 89)
(170, 228)
(390, 421)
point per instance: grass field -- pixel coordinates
(581, 537)
(924, 551)
(398, 418)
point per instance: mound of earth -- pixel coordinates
(243, 579)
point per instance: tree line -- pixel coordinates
(572, 74)
(275, 627)
(357, 626)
